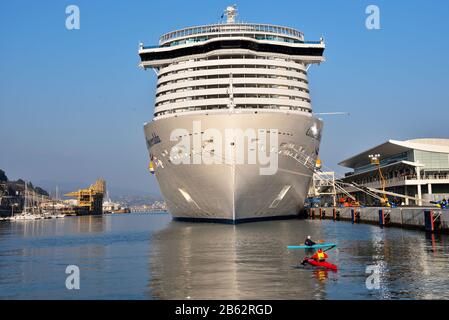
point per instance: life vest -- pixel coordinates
(320, 255)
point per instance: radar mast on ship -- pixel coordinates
(231, 13)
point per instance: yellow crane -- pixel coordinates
(375, 160)
(91, 199)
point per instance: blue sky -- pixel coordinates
(72, 103)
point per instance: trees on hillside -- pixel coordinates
(13, 186)
(3, 177)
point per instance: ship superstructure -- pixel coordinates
(232, 78)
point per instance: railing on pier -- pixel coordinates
(400, 179)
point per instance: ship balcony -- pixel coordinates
(160, 56)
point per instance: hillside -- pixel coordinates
(3, 177)
(12, 188)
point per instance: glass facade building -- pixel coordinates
(418, 169)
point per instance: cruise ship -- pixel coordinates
(226, 93)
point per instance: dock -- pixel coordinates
(419, 218)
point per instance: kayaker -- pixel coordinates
(320, 256)
(309, 242)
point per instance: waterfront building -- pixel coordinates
(418, 168)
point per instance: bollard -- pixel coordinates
(352, 216)
(312, 216)
(337, 215)
(334, 214)
(321, 213)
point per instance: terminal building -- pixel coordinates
(417, 168)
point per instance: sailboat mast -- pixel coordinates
(25, 205)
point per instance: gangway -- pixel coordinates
(308, 161)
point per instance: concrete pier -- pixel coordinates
(426, 219)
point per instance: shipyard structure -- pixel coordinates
(89, 201)
(232, 77)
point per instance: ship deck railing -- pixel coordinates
(156, 46)
(216, 28)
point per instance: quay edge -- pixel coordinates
(419, 218)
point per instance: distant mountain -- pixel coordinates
(132, 200)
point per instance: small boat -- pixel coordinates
(322, 264)
(28, 213)
(315, 246)
(25, 216)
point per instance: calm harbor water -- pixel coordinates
(149, 256)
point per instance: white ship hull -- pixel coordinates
(233, 76)
(233, 192)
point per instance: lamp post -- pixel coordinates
(375, 160)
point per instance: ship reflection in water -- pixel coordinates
(202, 261)
(148, 256)
(250, 261)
